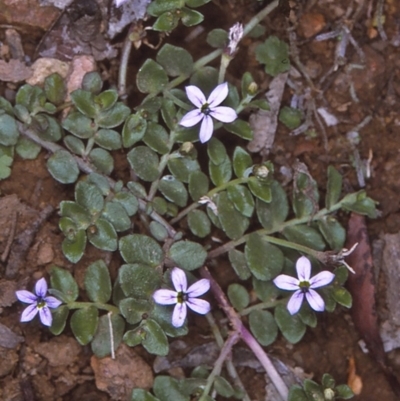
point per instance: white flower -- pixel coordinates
(304, 286)
(183, 296)
(38, 303)
(207, 108)
(235, 35)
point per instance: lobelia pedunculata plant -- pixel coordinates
(181, 205)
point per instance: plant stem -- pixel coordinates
(260, 306)
(98, 305)
(123, 67)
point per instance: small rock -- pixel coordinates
(119, 376)
(310, 24)
(45, 254)
(43, 67)
(7, 293)
(8, 339)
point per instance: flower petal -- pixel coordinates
(198, 305)
(29, 313)
(192, 118)
(303, 267)
(52, 302)
(26, 296)
(165, 297)
(224, 114)
(315, 300)
(321, 279)
(195, 95)
(198, 288)
(45, 316)
(41, 288)
(295, 302)
(218, 95)
(206, 129)
(285, 282)
(179, 315)
(179, 280)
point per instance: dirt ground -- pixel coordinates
(38, 366)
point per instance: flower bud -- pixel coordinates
(252, 89)
(329, 394)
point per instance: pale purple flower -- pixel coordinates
(207, 110)
(38, 303)
(303, 286)
(183, 296)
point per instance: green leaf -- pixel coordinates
(182, 167)
(216, 151)
(263, 326)
(63, 167)
(308, 317)
(103, 235)
(220, 174)
(155, 342)
(128, 201)
(342, 296)
(191, 17)
(140, 248)
(239, 264)
(344, 391)
(296, 393)
(265, 261)
(328, 381)
(304, 235)
(107, 99)
(223, 387)
(167, 22)
(238, 296)
(175, 60)
(8, 130)
(113, 117)
(101, 344)
(76, 212)
(92, 82)
(163, 316)
(292, 327)
(241, 197)
(89, 197)
(5, 163)
(240, 128)
(50, 129)
(260, 189)
(79, 125)
(144, 163)
(133, 130)
(290, 117)
(360, 203)
(271, 215)
(158, 7)
(305, 196)
(206, 79)
(156, 138)
(84, 324)
(55, 89)
(108, 139)
(196, 3)
(333, 188)
(116, 214)
(274, 53)
(139, 394)
(187, 255)
(138, 281)
(313, 390)
(233, 222)
(242, 161)
(102, 160)
(217, 38)
(98, 282)
(74, 145)
(151, 77)
(59, 319)
(333, 232)
(62, 281)
(166, 388)
(173, 190)
(84, 102)
(158, 231)
(133, 310)
(198, 184)
(73, 249)
(266, 291)
(32, 97)
(199, 223)
(168, 112)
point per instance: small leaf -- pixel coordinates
(333, 232)
(199, 223)
(167, 22)
(103, 235)
(342, 296)
(260, 189)
(133, 130)
(263, 326)
(102, 160)
(63, 167)
(116, 214)
(74, 145)
(220, 174)
(84, 102)
(98, 282)
(84, 324)
(108, 139)
(101, 344)
(54, 88)
(63, 281)
(241, 197)
(113, 117)
(107, 99)
(266, 291)
(238, 296)
(59, 319)
(158, 231)
(296, 393)
(305, 196)
(77, 213)
(198, 184)
(158, 7)
(144, 163)
(274, 53)
(8, 130)
(187, 255)
(292, 327)
(304, 235)
(156, 138)
(140, 248)
(163, 316)
(173, 190)
(92, 82)
(168, 56)
(89, 197)
(166, 388)
(290, 117)
(241, 129)
(79, 125)
(139, 394)
(134, 310)
(5, 163)
(242, 161)
(191, 17)
(155, 341)
(27, 149)
(344, 391)
(333, 188)
(239, 264)
(265, 260)
(151, 77)
(223, 387)
(182, 167)
(73, 249)
(216, 151)
(217, 38)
